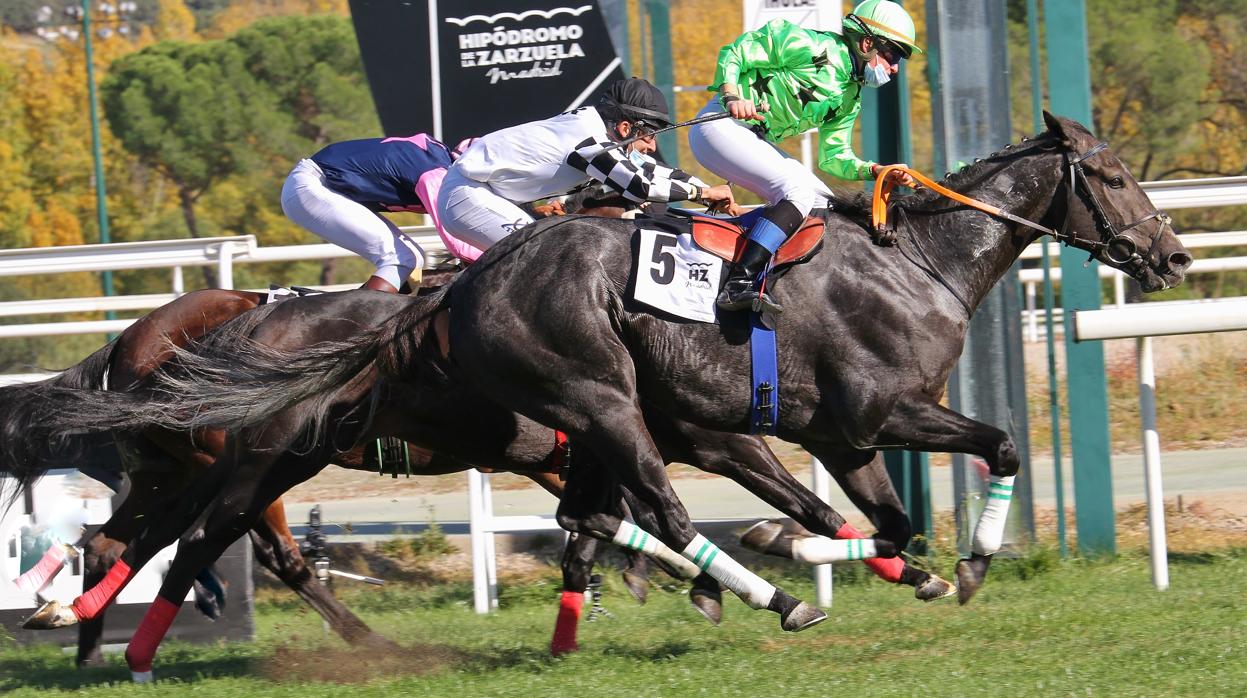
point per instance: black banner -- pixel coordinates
(497, 63)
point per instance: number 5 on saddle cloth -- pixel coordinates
(678, 270)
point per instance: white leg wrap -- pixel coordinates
(141, 676)
(755, 591)
(989, 532)
(818, 550)
(631, 537)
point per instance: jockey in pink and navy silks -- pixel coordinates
(339, 192)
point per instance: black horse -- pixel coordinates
(441, 416)
(543, 324)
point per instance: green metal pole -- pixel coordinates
(1069, 84)
(101, 204)
(1054, 396)
(664, 75)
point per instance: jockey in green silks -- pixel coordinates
(789, 80)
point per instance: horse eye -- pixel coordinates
(1116, 183)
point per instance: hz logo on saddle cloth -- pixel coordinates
(675, 276)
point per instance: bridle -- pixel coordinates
(1113, 246)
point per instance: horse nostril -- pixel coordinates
(1179, 261)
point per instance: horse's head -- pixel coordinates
(1116, 221)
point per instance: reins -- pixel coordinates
(883, 192)
(1113, 245)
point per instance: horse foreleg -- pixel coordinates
(924, 425)
(276, 549)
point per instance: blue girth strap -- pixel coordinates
(764, 405)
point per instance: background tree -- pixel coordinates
(194, 113)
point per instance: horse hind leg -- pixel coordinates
(705, 592)
(870, 489)
(924, 425)
(625, 436)
(276, 549)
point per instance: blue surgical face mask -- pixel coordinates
(640, 159)
(876, 75)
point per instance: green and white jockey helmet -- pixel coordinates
(885, 19)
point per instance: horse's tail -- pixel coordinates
(232, 381)
(30, 444)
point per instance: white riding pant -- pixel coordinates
(730, 150)
(473, 212)
(314, 206)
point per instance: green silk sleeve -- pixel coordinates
(777, 44)
(835, 147)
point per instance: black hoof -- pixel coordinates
(970, 575)
(707, 597)
(374, 641)
(93, 659)
(637, 585)
(768, 538)
(934, 588)
(794, 615)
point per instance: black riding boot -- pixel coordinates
(740, 291)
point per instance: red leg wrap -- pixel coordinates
(564, 640)
(142, 647)
(92, 602)
(888, 568)
(37, 577)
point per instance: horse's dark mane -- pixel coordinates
(927, 199)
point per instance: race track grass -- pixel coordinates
(1040, 627)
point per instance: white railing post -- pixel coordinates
(491, 555)
(179, 283)
(225, 265)
(1157, 544)
(820, 482)
(1119, 290)
(807, 150)
(477, 527)
(1032, 323)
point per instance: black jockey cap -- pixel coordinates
(635, 99)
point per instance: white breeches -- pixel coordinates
(314, 206)
(471, 211)
(730, 150)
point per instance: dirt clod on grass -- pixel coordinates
(359, 665)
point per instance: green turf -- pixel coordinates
(1040, 627)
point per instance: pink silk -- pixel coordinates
(427, 188)
(421, 140)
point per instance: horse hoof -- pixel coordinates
(50, 616)
(560, 649)
(934, 588)
(769, 538)
(380, 643)
(141, 676)
(800, 617)
(94, 658)
(707, 603)
(970, 575)
(637, 585)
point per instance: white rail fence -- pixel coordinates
(1143, 322)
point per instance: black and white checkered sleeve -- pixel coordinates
(613, 168)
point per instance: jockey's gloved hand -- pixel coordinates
(902, 178)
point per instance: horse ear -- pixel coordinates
(1055, 127)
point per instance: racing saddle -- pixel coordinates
(725, 238)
